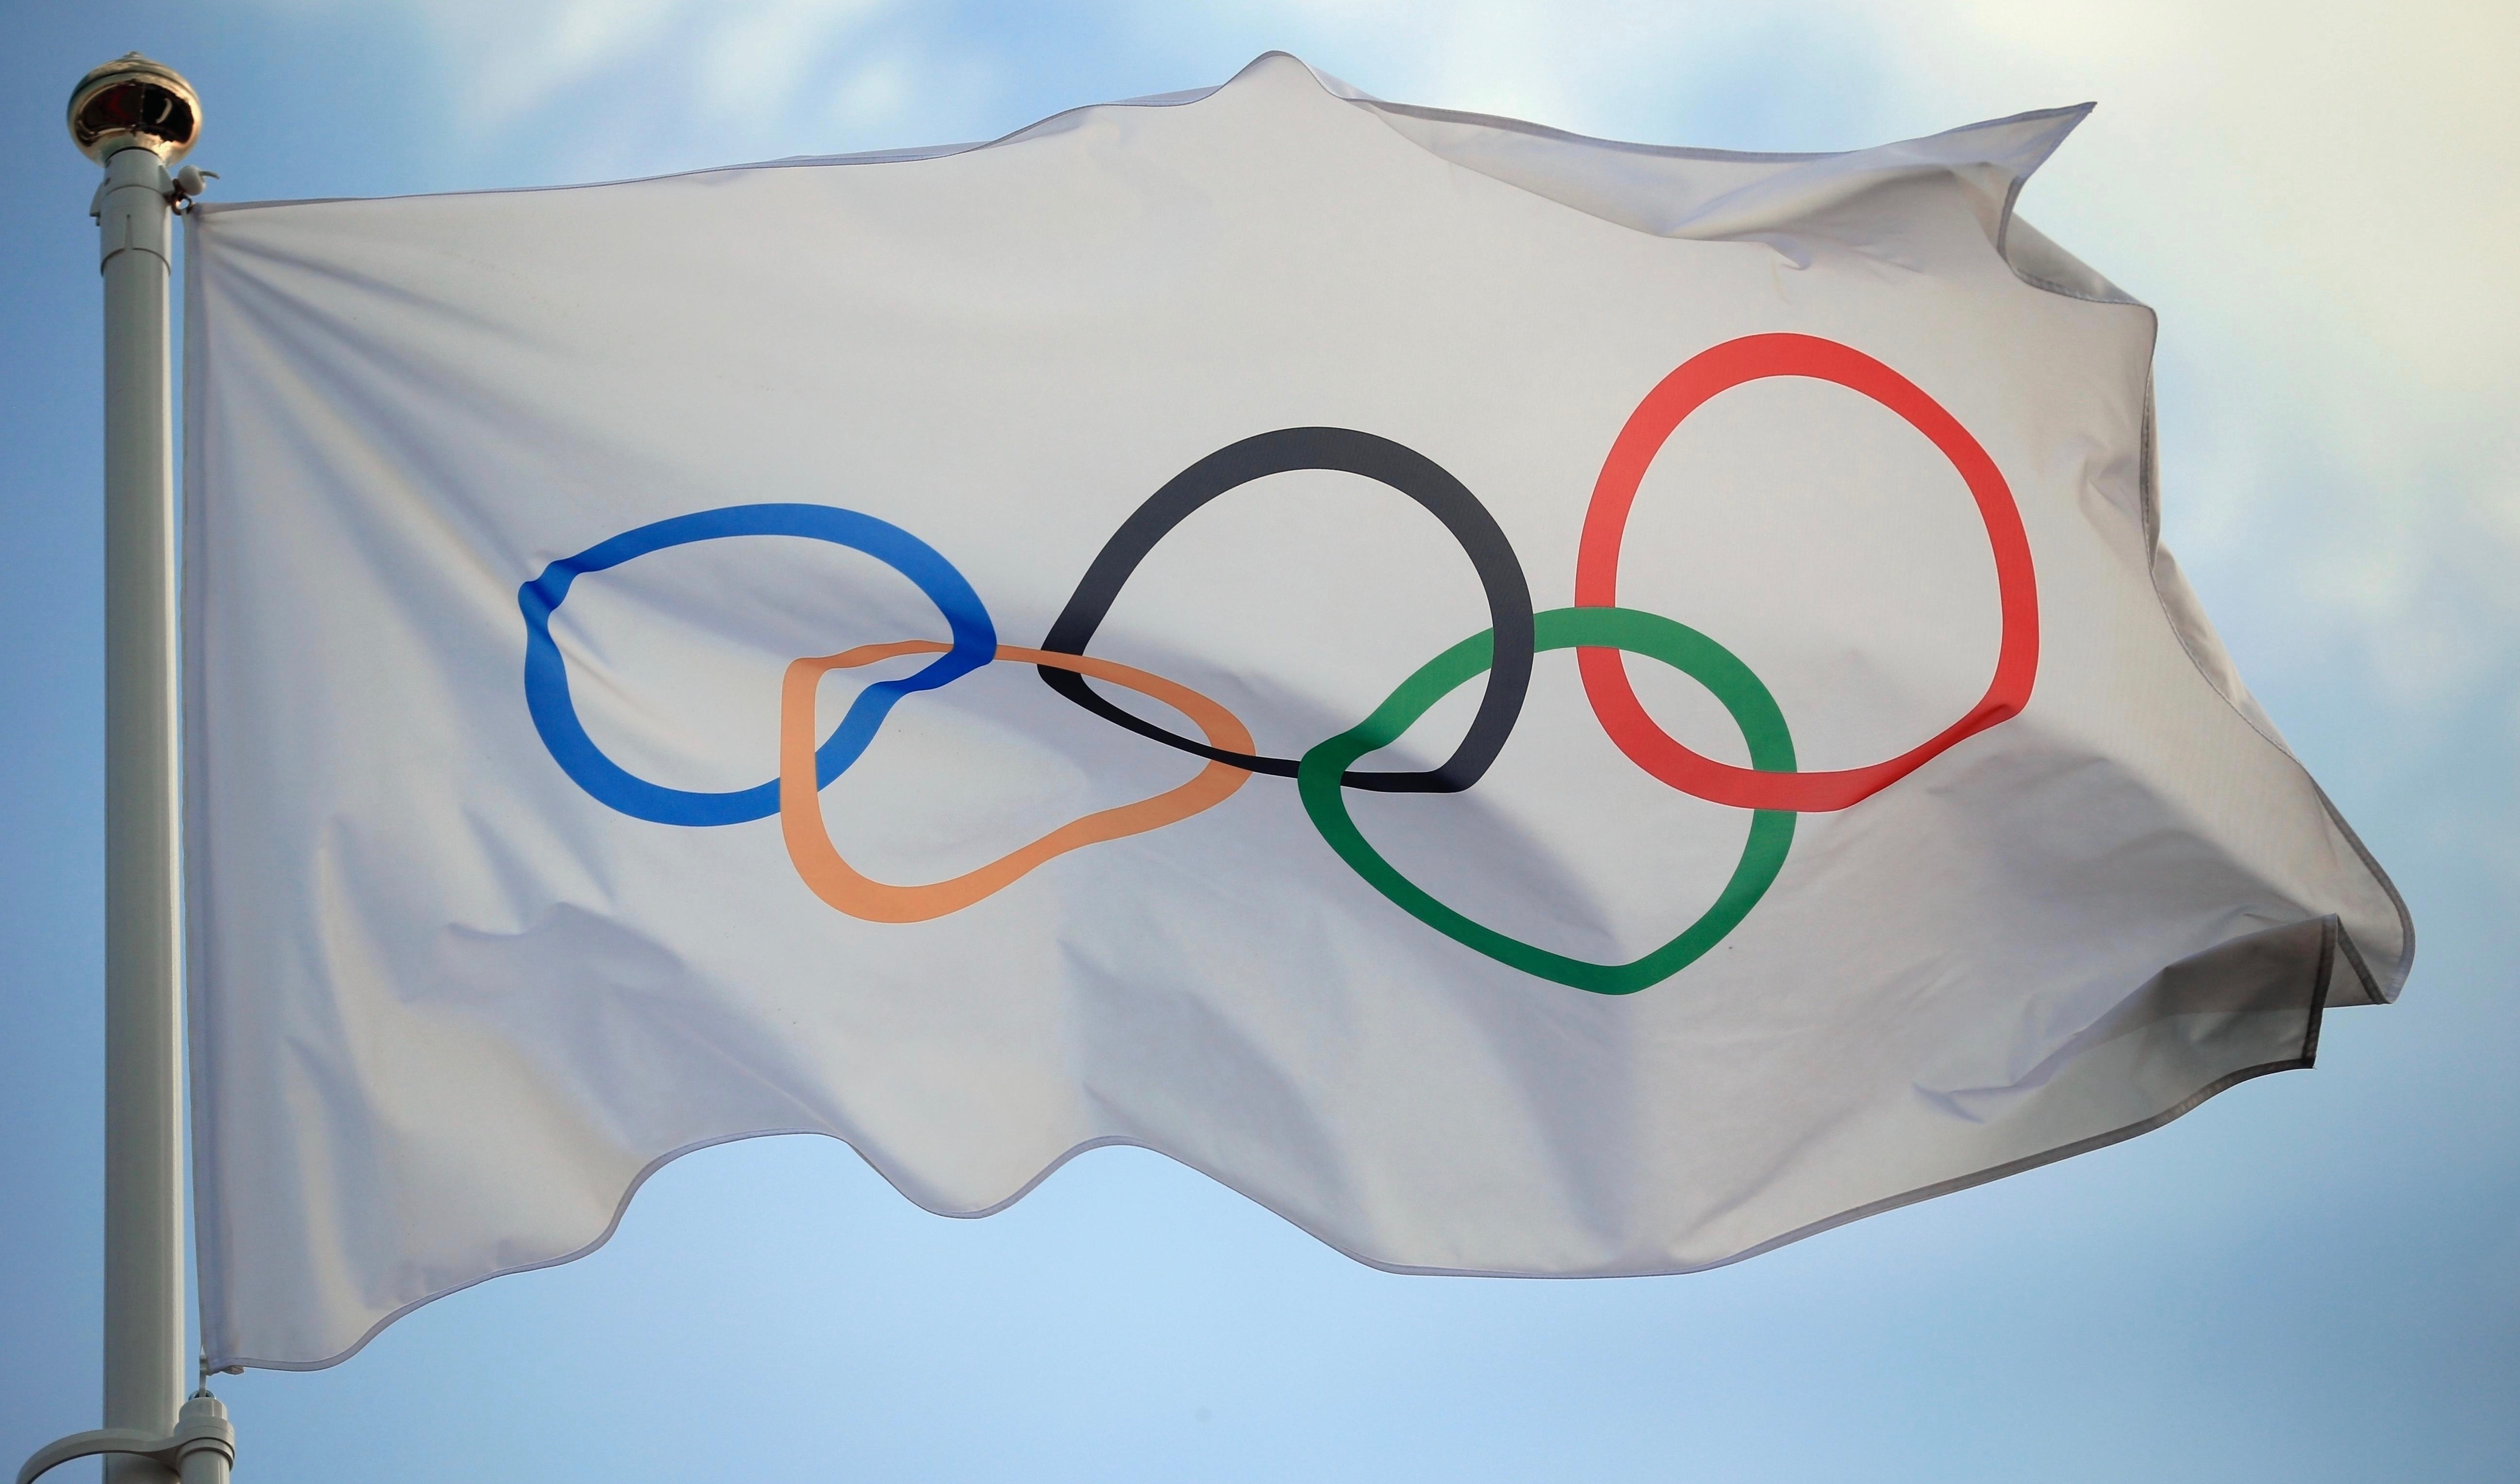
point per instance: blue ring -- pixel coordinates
(976, 643)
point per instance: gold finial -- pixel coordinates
(132, 100)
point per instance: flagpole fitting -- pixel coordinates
(202, 1450)
(132, 102)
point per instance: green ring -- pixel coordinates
(1754, 711)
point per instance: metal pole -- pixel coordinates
(144, 1173)
(134, 116)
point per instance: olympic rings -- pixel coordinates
(840, 886)
(1601, 632)
(555, 715)
(1347, 450)
(1606, 522)
(1754, 711)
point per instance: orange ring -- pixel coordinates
(842, 885)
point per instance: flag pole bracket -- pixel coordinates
(200, 1449)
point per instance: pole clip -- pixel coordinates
(186, 188)
(203, 1426)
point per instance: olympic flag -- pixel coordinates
(1535, 705)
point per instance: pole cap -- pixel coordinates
(134, 100)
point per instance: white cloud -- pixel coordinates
(597, 81)
(759, 56)
(508, 59)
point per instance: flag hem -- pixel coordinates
(2149, 492)
(2332, 941)
(1330, 86)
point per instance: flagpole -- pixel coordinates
(136, 117)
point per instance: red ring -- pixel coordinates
(1754, 358)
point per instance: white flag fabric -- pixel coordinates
(1535, 705)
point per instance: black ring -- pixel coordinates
(1347, 450)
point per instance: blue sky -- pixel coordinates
(2316, 1277)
